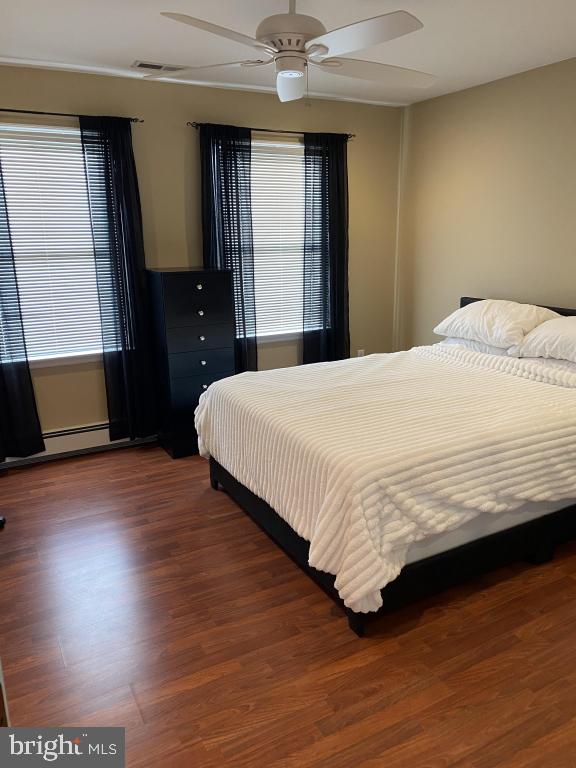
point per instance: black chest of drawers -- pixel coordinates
(194, 326)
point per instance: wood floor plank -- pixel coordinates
(135, 595)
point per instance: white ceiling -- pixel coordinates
(463, 43)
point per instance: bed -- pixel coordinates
(392, 477)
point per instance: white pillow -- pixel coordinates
(493, 321)
(476, 346)
(553, 339)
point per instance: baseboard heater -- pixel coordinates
(77, 441)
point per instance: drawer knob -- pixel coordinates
(204, 386)
(199, 286)
(202, 362)
(202, 338)
(201, 312)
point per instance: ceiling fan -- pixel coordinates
(292, 42)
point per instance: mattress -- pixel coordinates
(478, 527)
(375, 460)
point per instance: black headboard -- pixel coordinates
(561, 310)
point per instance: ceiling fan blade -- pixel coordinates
(215, 29)
(290, 88)
(187, 70)
(386, 74)
(365, 34)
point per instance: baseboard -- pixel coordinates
(77, 441)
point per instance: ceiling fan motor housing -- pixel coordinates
(289, 31)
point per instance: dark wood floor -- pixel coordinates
(132, 594)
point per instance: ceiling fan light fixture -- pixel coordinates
(290, 88)
(290, 66)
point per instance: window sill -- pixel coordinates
(65, 360)
(274, 338)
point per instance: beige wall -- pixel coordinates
(490, 197)
(70, 396)
(166, 153)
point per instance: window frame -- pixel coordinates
(274, 338)
(289, 139)
(62, 361)
(66, 359)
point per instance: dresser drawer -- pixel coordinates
(186, 391)
(196, 299)
(200, 361)
(188, 338)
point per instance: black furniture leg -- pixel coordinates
(543, 552)
(2, 522)
(356, 622)
(213, 479)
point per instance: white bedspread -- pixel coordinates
(362, 457)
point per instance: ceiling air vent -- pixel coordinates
(153, 66)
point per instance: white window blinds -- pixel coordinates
(47, 203)
(278, 232)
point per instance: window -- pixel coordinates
(47, 202)
(277, 179)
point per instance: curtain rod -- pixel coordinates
(58, 114)
(269, 130)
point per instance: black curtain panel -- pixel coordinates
(326, 335)
(225, 153)
(125, 309)
(20, 432)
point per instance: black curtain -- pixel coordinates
(326, 334)
(20, 432)
(225, 153)
(125, 309)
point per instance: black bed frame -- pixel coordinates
(533, 541)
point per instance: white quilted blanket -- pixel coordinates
(362, 457)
